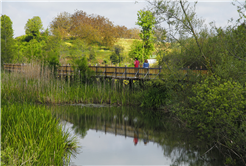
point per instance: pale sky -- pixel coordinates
(120, 12)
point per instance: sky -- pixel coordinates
(120, 12)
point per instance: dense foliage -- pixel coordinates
(146, 20)
(7, 41)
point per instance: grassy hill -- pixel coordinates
(101, 53)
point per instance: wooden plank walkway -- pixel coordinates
(123, 73)
(126, 73)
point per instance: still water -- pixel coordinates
(130, 136)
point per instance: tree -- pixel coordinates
(61, 24)
(116, 56)
(146, 20)
(92, 54)
(7, 41)
(33, 27)
(241, 9)
(94, 29)
(182, 24)
(136, 50)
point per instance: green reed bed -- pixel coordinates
(31, 136)
(47, 89)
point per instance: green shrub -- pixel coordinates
(116, 56)
(155, 95)
(217, 111)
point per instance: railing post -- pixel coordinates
(125, 71)
(66, 78)
(188, 73)
(115, 71)
(96, 69)
(106, 70)
(148, 72)
(160, 72)
(138, 72)
(200, 73)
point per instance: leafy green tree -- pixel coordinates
(183, 23)
(83, 72)
(52, 51)
(33, 27)
(61, 24)
(7, 41)
(217, 110)
(136, 50)
(116, 56)
(92, 54)
(146, 20)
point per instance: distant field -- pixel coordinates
(126, 43)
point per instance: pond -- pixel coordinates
(131, 136)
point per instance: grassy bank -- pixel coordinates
(31, 136)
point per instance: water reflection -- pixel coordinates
(124, 135)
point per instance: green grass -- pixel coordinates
(31, 136)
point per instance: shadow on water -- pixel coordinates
(141, 125)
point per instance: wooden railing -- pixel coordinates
(126, 72)
(108, 71)
(14, 67)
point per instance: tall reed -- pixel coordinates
(39, 85)
(32, 136)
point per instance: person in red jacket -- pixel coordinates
(136, 62)
(135, 139)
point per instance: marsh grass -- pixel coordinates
(32, 136)
(38, 85)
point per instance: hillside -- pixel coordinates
(72, 49)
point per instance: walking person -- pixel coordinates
(146, 64)
(136, 62)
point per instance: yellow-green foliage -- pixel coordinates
(125, 43)
(217, 110)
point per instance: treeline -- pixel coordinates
(213, 105)
(47, 45)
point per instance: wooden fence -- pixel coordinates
(14, 67)
(126, 73)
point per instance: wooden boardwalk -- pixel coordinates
(121, 73)
(126, 73)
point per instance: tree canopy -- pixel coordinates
(7, 41)
(94, 29)
(146, 20)
(33, 26)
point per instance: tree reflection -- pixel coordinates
(177, 144)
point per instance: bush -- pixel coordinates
(81, 64)
(217, 110)
(116, 56)
(92, 54)
(155, 95)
